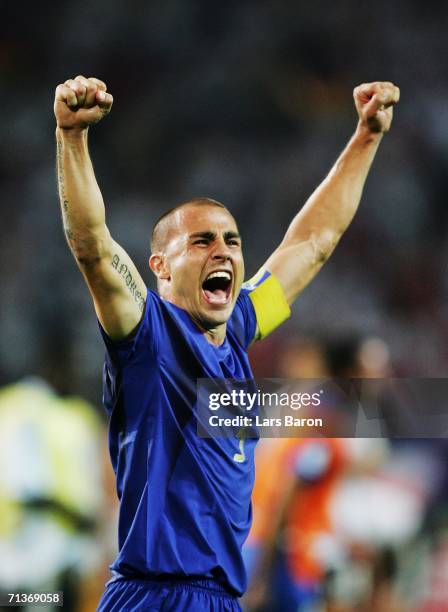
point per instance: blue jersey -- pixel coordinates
(185, 506)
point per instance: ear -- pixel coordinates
(159, 265)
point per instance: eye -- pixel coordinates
(201, 241)
(233, 242)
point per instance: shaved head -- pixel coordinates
(164, 226)
(198, 261)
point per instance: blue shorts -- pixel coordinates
(128, 595)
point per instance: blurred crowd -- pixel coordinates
(249, 103)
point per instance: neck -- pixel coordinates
(215, 335)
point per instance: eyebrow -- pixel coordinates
(212, 235)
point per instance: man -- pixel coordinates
(184, 500)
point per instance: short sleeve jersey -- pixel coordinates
(184, 501)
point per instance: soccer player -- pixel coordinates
(185, 501)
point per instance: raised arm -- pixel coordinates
(117, 288)
(318, 226)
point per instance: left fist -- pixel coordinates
(374, 102)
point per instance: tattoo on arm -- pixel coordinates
(61, 176)
(84, 247)
(123, 271)
(62, 195)
(81, 245)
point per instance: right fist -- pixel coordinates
(80, 102)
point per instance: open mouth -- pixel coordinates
(217, 287)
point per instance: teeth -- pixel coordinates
(220, 274)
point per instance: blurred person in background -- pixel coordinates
(51, 500)
(291, 545)
(198, 263)
(365, 576)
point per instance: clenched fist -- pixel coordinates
(80, 102)
(374, 102)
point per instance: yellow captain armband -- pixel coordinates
(269, 302)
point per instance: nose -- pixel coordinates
(221, 251)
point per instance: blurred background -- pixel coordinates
(248, 103)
